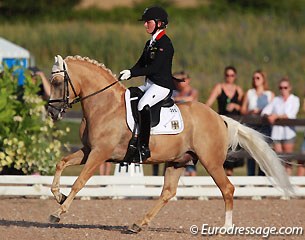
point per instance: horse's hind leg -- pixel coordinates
(171, 179)
(214, 165)
(77, 158)
(227, 190)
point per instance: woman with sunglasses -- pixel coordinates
(284, 106)
(229, 97)
(227, 94)
(254, 101)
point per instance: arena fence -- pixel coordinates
(147, 186)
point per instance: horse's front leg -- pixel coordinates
(171, 179)
(77, 158)
(95, 158)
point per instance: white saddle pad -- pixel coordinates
(171, 121)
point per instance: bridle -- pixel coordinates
(65, 100)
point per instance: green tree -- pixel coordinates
(29, 140)
(13, 8)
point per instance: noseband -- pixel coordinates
(65, 100)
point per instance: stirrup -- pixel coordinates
(144, 153)
(132, 155)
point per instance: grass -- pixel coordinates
(203, 48)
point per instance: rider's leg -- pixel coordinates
(153, 95)
(144, 124)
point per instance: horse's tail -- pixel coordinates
(254, 143)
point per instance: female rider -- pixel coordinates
(155, 64)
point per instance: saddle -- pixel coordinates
(135, 94)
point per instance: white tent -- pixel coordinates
(11, 50)
(14, 55)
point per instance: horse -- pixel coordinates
(104, 134)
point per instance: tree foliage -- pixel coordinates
(28, 8)
(29, 141)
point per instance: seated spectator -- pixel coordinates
(229, 97)
(254, 101)
(185, 93)
(284, 106)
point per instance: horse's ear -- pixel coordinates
(60, 62)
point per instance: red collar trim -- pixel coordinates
(160, 35)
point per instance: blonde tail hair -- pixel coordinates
(254, 143)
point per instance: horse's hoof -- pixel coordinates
(63, 199)
(134, 229)
(54, 219)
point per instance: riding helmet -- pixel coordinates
(155, 13)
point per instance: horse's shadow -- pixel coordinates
(122, 229)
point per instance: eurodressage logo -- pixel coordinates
(175, 125)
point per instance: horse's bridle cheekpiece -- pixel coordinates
(65, 100)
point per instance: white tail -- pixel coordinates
(254, 143)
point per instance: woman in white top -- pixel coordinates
(253, 103)
(258, 96)
(284, 106)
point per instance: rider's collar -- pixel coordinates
(157, 35)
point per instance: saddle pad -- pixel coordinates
(171, 121)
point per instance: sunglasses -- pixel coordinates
(230, 75)
(256, 78)
(283, 87)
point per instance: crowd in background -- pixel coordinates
(260, 101)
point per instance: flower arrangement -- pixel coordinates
(29, 140)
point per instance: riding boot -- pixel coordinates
(144, 133)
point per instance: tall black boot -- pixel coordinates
(144, 124)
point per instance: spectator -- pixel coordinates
(105, 168)
(185, 93)
(45, 87)
(254, 101)
(284, 106)
(229, 97)
(301, 164)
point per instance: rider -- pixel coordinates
(156, 64)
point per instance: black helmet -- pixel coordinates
(155, 13)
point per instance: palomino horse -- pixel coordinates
(105, 135)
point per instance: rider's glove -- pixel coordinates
(125, 75)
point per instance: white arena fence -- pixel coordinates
(201, 187)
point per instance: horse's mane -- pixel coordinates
(86, 59)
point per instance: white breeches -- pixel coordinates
(153, 94)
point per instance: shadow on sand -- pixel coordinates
(122, 229)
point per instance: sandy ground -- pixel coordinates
(27, 219)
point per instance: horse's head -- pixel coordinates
(61, 86)
(88, 79)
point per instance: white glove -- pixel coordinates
(125, 75)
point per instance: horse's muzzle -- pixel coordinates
(54, 113)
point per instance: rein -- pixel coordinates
(66, 97)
